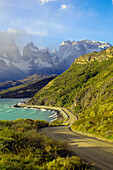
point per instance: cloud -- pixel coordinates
(13, 31)
(8, 35)
(36, 32)
(45, 1)
(112, 1)
(64, 7)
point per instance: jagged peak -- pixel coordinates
(86, 41)
(68, 42)
(31, 46)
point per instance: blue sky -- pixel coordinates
(49, 22)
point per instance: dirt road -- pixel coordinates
(88, 148)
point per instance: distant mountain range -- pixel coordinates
(14, 66)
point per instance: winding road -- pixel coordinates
(88, 148)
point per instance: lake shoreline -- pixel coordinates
(56, 111)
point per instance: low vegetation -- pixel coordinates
(23, 147)
(99, 125)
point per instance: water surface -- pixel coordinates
(8, 113)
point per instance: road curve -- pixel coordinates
(88, 148)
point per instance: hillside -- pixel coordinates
(28, 88)
(87, 89)
(28, 79)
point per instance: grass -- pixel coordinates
(99, 125)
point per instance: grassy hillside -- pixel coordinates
(26, 90)
(22, 147)
(87, 89)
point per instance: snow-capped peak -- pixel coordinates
(68, 42)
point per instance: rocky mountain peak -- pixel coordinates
(70, 50)
(29, 51)
(36, 60)
(31, 47)
(67, 43)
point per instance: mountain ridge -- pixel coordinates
(25, 88)
(33, 60)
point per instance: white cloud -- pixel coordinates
(36, 32)
(64, 6)
(13, 31)
(45, 1)
(112, 1)
(26, 30)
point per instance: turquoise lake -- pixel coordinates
(8, 113)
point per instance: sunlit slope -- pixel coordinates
(84, 88)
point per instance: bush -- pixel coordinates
(25, 148)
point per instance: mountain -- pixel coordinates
(9, 71)
(9, 55)
(55, 63)
(25, 88)
(87, 90)
(9, 52)
(40, 60)
(14, 66)
(69, 50)
(27, 80)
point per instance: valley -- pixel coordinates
(85, 93)
(56, 85)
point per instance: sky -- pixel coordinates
(47, 23)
